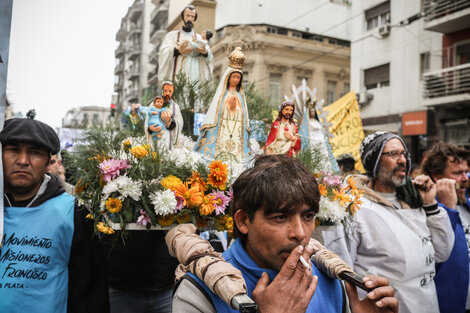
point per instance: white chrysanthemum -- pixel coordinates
(185, 142)
(125, 186)
(234, 170)
(255, 147)
(184, 157)
(136, 141)
(164, 202)
(331, 211)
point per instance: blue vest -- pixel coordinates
(35, 255)
(452, 276)
(328, 296)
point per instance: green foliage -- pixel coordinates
(186, 93)
(313, 158)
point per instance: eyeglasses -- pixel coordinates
(396, 154)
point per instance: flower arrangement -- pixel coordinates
(338, 200)
(124, 180)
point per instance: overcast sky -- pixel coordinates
(62, 55)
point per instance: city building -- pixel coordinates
(408, 76)
(86, 117)
(446, 90)
(286, 45)
(132, 55)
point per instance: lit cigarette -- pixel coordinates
(305, 263)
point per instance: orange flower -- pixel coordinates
(357, 193)
(218, 174)
(208, 205)
(170, 182)
(90, 216)
(351, 182)
(191, 196)
(196, 179)
(104, 229)
(113, 205)
(202, 223)
(80, 186)
(323, 190)
(341, 197)
(354, 206)
(126, 145)
(140, 151)
(166, 220)
(154, 155)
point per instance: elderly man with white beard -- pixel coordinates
(399, 231)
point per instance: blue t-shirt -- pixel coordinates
(35, 255)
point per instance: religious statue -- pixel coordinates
(154, 117)
(284, 137)
(184, 51)
(224, 134)
(170, 116)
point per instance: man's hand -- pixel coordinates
(291, 290)
(166, 118)
(184, 47)
(380, 300)
(134, 107)
(201, 50)
(446, 193)
(426, 188)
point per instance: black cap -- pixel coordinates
(31, 131)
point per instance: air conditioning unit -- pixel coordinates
(384, 30)
(365, 97)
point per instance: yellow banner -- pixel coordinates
(347, 127)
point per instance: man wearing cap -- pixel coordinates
(48, 259)
(399, 232)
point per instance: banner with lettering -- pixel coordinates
(346, 127)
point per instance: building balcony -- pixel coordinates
(153, 56)
(134, 29)
(119, 51)
(152, 77)
(135, 11)
(446, 16)
(134, 73)
(121, 34)
(159, 15)
(447, 86)
(156, 35)
(117, 87)
(134, 52)
(132, 95)
(119, 69)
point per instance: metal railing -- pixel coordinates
(434, 9)
(447, 82)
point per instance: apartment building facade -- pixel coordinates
(397, 55)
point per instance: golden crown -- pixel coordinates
(237, 58)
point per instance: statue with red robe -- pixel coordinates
(284, 137)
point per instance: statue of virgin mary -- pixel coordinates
(225, 132)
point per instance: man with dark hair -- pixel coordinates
(49, 261)
(346, 163)
(446, 164)
(283, 137)
(274, 206)
(399, 232)
(180, 53)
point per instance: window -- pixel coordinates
(277, 30)
(331, 91)
(378, 76)
(378, 15)
(296, 34)
(275, 89)
(463, 53)
(423, 63)
(346, 88)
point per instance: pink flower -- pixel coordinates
(143, 219)
(230, 194)
(110, 168)
(179, 204)
(332, 180)
(221, 201)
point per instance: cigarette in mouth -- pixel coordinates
(305, 263)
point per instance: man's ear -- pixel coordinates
(242, 221)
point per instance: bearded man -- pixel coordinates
(180, 53)
(284, 136)
(399, 232)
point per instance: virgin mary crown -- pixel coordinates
(237, 58)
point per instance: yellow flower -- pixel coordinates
(182, 218)
(341, 197)
(207, 206)
(113, 205)
(154, 155)
(354, 206)
(166, 220)
(80, 186)
(322, 189)
(170, 182)
(140, 152)
(90, 216)
(351, 182)
(126, 145)
(104, 229)
(191, 196)
(196, 179)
